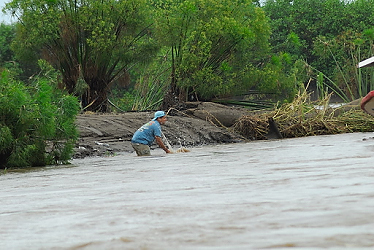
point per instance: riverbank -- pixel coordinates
(197, 124)
(205, 123)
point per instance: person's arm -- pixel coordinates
(161, 144)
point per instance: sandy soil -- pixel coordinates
(197, 124)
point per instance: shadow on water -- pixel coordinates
(36, 169)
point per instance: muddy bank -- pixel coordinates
(203, 123)
(194, 125)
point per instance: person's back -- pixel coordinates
(146, 134)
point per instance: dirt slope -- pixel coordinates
(104, 134)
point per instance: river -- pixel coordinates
(313, 192)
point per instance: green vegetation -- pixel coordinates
(211, 49)
(150, 54)
(149, 90)
(7, 33)
(91, 40)
(36, 123)
(215, 48)
(330, 37)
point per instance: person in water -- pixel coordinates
(146, 134)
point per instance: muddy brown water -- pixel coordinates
(314, 192)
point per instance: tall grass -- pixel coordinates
(348, 81)
(150, 91)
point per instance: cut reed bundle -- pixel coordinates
(304, 118)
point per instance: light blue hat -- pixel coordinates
(158, 114)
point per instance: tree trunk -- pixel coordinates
(171, 98)
(95, 98)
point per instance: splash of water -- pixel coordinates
(181, 149)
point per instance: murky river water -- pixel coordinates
(314, 192)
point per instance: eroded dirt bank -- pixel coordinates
(197, 124)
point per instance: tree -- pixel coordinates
(90, 41)
(8, 60)
(7, 33)
(213, 45)
(304, 20)
(330, 36)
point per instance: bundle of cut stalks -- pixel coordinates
(304, 118)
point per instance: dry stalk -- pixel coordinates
(304, 118)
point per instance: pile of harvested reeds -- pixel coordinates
(304, 118)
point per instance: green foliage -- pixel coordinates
(7, 58)
(346, 51)
(37, 123)
(150, 87)
(213, 48)
(331, 37)
(91, 40)
(126, 102)
(272, 79)
(7, 33)
(304, 19)
(149, 93)
(214, 45)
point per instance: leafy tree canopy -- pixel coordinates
(213, 44)
(7, 33)
(330, 36)
(93, 41)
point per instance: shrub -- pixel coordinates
(36, 123)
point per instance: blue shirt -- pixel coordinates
(146, 133)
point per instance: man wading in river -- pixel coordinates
(146, 134)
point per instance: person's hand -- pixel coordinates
(169, 151)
